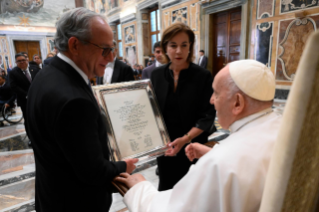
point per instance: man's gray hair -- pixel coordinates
(74, 23)
(114, 43)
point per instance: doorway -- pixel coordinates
(31, 47)
(226, 36)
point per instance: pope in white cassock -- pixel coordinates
(231, 175)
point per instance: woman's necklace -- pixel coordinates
(171, 71)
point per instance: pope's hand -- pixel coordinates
(196, 150)
(130, 164)
(175, 146)
(130, 180)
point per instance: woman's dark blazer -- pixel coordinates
(195, 85)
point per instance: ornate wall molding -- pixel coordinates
(114, 18)
(220, 5)
(128, 18)
(147, 4)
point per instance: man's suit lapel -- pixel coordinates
(32, 72)
(116, 71)
(22, 75)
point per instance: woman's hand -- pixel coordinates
(130, 180)
(196, 150)
(175, 146)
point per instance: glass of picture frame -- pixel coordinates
(135, 126)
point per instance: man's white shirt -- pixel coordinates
(200, 59)
(108, 73)
(71, 63)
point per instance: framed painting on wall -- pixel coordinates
(129, 34)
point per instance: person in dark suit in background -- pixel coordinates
(20, 78)
(7, 97)
(65, 122)
(116, 71)
(31, 64)
(202, 61)
(146, 74)
(183, 90)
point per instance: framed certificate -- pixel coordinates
(135, 126)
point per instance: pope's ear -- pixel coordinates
(239, 104)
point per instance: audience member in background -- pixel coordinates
(37, 60)
(20, 79)
(3, 73)
(50, 56)
(116, 71)
(183, 90)
(6, 95)
(151, 60)
(158, 62)
(32, 66)
(202, 61)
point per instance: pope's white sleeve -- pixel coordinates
(139, 197)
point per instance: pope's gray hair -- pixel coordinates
(74, 23)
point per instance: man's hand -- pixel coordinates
(130, 180)
(196, 150)
(130, 164)
(7, 105)
(175, 146)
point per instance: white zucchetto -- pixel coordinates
(254, 79)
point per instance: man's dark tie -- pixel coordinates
(26, 73)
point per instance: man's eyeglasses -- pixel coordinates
(21, 61)
(106, 50)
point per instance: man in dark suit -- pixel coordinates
(202, 62)
(31, 64)
(65, 124)
(116, 71)
(6, 95)
(146, 74)
(20, 78)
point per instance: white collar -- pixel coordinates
(158, 64)
(240, 123)
(69, 61)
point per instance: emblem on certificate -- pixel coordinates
(135, 126)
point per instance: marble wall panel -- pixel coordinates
(264, 40)
(194, 16)
(293, 35)
(287, 6)
(265, 8)
(5, 59)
